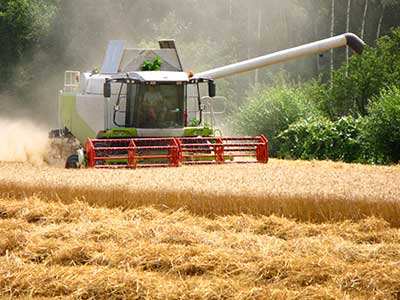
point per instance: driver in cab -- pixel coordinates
(153, 108)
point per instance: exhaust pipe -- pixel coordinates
(348, 39)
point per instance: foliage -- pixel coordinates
(374, 138)
(24, 24)
(322, 138)
(152, 66)
(194, 122)
(376, 69)
(270, 111)
(383, 126)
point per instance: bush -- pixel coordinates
(321, 138)
(383, 126)
(270, 111)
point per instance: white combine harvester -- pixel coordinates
(143, 110)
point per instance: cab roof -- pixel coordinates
(156, 76)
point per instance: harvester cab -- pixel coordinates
(143, 110)
(156, 100)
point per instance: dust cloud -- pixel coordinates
(23, 141)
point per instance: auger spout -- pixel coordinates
(348, 39)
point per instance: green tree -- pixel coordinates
(377, 68)
(23, 25)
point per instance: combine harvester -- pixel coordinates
(143, 110)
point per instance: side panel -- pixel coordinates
(73, 121)
(91, 109)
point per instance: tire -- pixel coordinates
(72, 162)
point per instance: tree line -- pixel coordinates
(73, 34)
(42, 38)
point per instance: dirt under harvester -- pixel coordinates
(174, 152)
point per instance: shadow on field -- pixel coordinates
(322, 209)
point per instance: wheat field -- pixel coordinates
(308, 191)
(285, 230)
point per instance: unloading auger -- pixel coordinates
(143, 110)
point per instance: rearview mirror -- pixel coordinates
(107, 89)
(211, 88)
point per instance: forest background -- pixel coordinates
(333, 105)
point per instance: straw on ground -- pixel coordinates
(49, 249)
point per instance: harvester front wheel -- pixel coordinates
(72, 162)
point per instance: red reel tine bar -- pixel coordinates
(209, 150)
(172, 152)
(133, 153)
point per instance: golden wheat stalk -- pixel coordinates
(315, 191)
